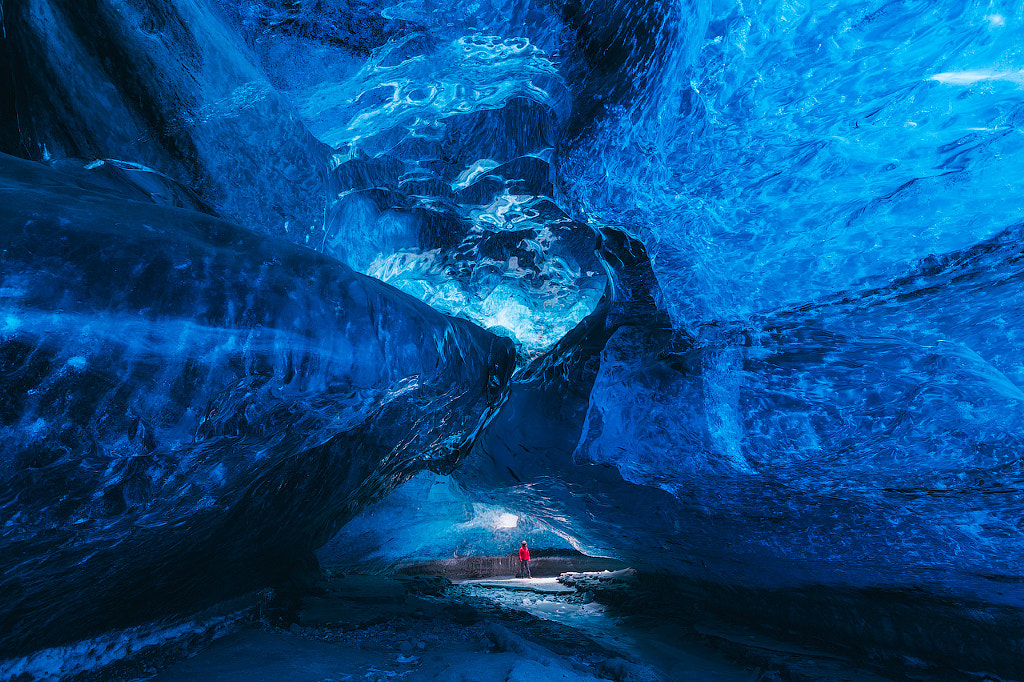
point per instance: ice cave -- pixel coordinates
(312, 312)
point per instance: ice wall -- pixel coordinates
(189, 409)
(773, 153)
(431, 517)
(827, 199)
(806, 372)
(166, 85)
(760, 263)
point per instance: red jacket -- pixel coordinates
(524, 553)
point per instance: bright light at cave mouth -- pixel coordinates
(506, 521)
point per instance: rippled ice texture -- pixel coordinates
(828, 201)
(829, 198)
(806, 147)
(805, 366)
(188, 409)
(444, 121)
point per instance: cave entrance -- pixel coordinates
(544, 563)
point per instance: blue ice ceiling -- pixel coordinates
(787, 151)
(729, 290)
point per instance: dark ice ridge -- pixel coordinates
(190, 409)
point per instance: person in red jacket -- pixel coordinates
(524, 561)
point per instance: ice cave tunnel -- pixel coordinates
(728, 292)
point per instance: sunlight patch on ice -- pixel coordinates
(491, 518)
(971, 76)
(507, 521)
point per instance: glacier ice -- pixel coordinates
(432, 516)
(760, 265)
(189, 409)
(443, 133)
(162, 84)
(840, 142)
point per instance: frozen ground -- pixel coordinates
(669, 651)
(611, 609)
(378, 628)
(577, 628)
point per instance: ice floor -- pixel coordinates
(377, 628)
(668, 651)
(579, 627)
